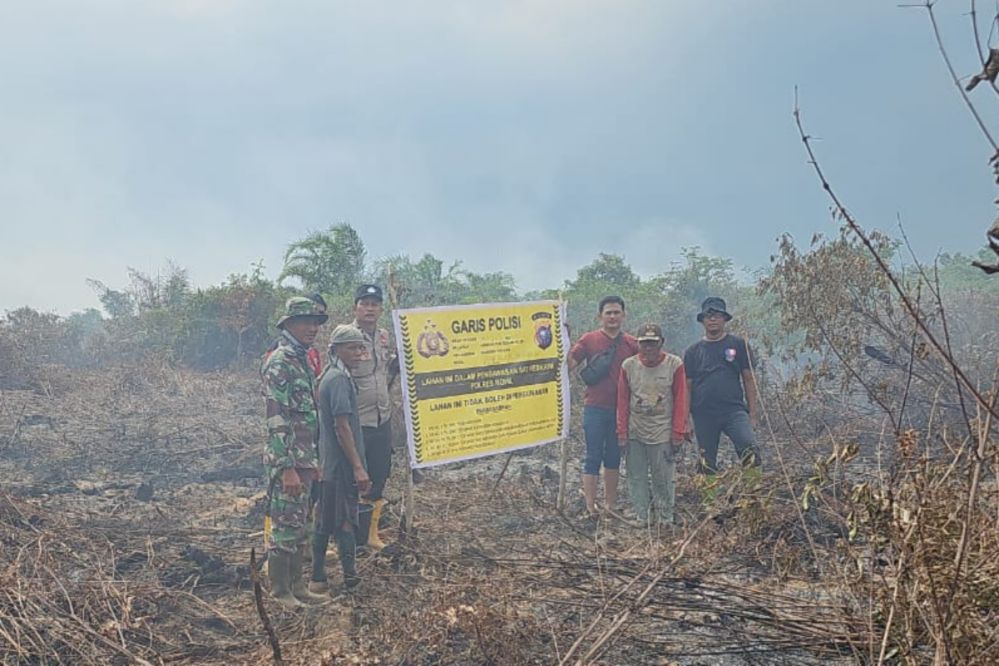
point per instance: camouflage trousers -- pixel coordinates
(290, 523)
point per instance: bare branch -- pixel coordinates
(886, 270)
(953, 75)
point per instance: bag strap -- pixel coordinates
(615, 343)
(610, 351)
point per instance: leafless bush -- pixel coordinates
(923, 525)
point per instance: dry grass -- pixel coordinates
(93, 574)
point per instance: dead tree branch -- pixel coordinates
(885, 269)
(258, 598)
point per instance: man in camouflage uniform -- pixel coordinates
(291, 458)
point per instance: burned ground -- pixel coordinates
(132, 498)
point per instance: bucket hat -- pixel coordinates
(713, 304)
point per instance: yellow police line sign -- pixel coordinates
(482, 379)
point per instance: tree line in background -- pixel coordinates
(809, 302)
(882, 447)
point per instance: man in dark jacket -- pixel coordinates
(722, 388)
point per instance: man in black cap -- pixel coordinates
(722, 388)
(372, 376)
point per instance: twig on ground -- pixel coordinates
(258, 598)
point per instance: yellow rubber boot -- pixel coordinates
(267, 540)
(375, 543)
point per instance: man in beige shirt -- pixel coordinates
(652, 423)
(376, 370)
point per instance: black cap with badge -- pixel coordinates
(368, 291)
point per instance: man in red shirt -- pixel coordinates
(603, 351)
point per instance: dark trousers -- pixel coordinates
(378, 456)
(337, 502)
(709, 428)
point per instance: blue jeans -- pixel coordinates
(709, 427)
(600, 430)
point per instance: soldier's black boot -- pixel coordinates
(346, 544)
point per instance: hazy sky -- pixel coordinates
(515, 135)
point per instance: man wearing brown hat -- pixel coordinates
(651, 424)
(722, 388)
(290, 455)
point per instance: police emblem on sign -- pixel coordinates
(432, 342)
(543, 335)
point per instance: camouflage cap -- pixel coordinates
(345, 333)
(301, 306)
